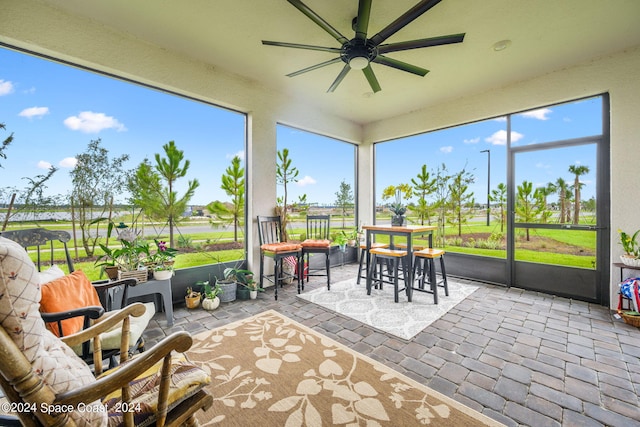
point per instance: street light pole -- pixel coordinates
(488, 185)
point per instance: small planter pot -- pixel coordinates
(397, 220)
(228, 291)
(243, 293)
(210, 304)
(253, 294)
(111, 272)
(192, 302)
(163, 274)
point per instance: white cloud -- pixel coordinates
(44, 165)
(307, 180)
(68, 162)
(34, 112)
(239, 154)
(90, 122)
(500, 119)
(540, 114)
(472, 140)
(500, 137)
(446, 149)
(5, 87)
(543, 165)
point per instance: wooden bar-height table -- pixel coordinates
(405, 231)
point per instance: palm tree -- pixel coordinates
(561, 189)
(545, 192)
(577, 171)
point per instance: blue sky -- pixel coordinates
(54, 111)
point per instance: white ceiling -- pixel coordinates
(546, 35)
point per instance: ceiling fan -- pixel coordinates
(359, 52)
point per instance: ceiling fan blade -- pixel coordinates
(400, 65)
(340, 77)
(318, 20)
(362, 20)
(416, 44)
(371, 78)
(302, 46)
(403, 20)
(314, 67)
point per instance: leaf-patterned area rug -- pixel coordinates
(403, 319)
(269, 370)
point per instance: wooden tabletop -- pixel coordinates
(400, 229)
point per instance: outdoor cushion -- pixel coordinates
(188, 379)
(316, 243)
(280, 247)
(111, 339)
(66, 293)
(49, 275)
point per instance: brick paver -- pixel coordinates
(520, 357)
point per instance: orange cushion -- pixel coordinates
(66, 293)
(316, 243)
(281, 247)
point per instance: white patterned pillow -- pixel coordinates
(50, 274)
(50, 358)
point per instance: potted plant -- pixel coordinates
(398, 208)
(162, 261)
(631, 248)
(249, 290)
(211, 300)
(192, 299)
(340, 238)
(254, 288)
(241, 278)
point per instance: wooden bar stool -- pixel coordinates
(396, 257)
(424, 262)
(363, 256)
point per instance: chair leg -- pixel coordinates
(371, 273)
(261, 270)
(433, 281)
(360, 263)
(444, 276)
(300, 272)
(328, 272)
(276, 274)
(394, 263)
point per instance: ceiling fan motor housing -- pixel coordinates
(357, 48)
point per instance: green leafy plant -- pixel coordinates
(191, 293)
(163, 258)
(629, 243)
(210, 292)
(240, 276)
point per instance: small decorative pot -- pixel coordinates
(397, 220)
(163, 274)
(192, 302)
(210, 303)
(243, 293)
(630, 260)
(253, 294)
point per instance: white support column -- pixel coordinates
(366, 208)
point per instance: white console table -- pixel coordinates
(160, 289)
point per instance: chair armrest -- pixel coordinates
(108, 321)
(178, 341)
(92, 312)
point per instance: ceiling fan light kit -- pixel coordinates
(359, 52)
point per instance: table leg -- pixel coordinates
(368, 241)
(409, 264)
